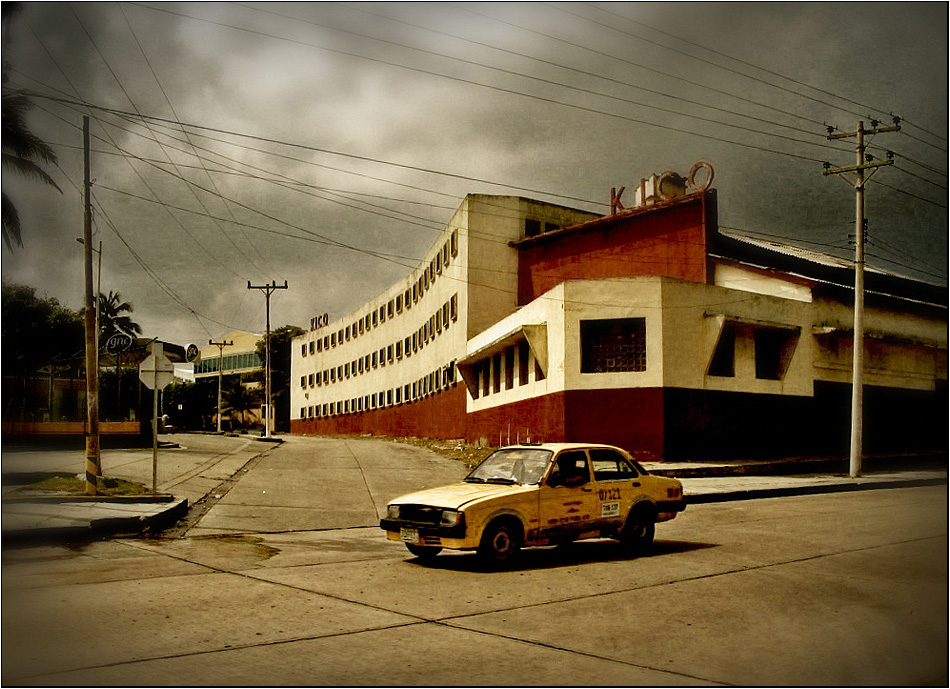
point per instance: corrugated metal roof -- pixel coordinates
(805, 254)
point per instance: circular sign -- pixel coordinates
(118, 343)
(702, 165)
(191, 353)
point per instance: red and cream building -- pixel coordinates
(648, 328)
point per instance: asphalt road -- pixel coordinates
(839, 589)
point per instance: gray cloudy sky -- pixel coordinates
(316, 125)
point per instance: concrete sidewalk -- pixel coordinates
(362, 476)
(190, 467)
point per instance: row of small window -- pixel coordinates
(395, 306)
(232, 362)
(438, 322)
(615, 345)
(428, 385)
(491, 372)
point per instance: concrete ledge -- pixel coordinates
(54, 498)
(77, 521)
(786, 491)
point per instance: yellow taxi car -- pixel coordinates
(528, 495)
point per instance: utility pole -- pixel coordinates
(267, 290)
(863, 162)
(93, 464)
(220, 345)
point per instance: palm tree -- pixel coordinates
(114, 319)
(21, 148)
(238, 400)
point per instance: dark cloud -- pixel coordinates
(296, 73)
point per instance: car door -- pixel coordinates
(567, 501)
(618, 485)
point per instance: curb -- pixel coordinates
(132, 499)
(102, 527)
(756, 493)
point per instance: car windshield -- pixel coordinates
(514, 465)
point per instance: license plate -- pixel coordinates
(409, 535)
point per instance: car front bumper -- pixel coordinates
(429, 534)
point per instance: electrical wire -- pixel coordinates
(614, 56)
(721, 54)
(497, 88)
(175, 115)
(771, 72)
(212, 255)
(542, 61)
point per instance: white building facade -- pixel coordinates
(648, 328)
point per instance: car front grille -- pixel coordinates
(420, 514)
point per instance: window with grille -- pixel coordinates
(613, 345)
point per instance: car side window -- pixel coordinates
(610, 465)
(570, 469)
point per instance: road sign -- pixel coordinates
(118, 343)
(156, 371)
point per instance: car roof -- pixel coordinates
(558, 447)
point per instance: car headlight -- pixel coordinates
(451, 518)
(392, 511)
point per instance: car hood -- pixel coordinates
(457, 495)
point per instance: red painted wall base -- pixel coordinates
(671, 424)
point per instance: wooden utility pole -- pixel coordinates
(863, 162)
(93, 465)
(220, 345)
(267, 290)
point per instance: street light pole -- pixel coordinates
(268, 290)
(93, 465)
(220, 345)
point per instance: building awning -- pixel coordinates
(726, 318)
(536, 336)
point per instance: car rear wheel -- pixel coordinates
(639, 530)
(423, 552)
(500, 543)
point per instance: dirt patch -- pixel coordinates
(458, 450)
(71, 485)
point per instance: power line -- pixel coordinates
(771, 72)
(613, 56)
(721, 54)
(907, 193)
(542, 61)
(391, 256)
(472, 82)
(175, 115)
(144, 182)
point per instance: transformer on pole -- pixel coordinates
(267, 290)
(863, 162)
(220, 345)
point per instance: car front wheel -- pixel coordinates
(500, 543)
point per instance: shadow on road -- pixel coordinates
(570, 555)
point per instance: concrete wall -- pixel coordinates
(665, 239)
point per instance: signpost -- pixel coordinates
(155, 372)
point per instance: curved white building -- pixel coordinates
(390, 366)
(648, 328)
